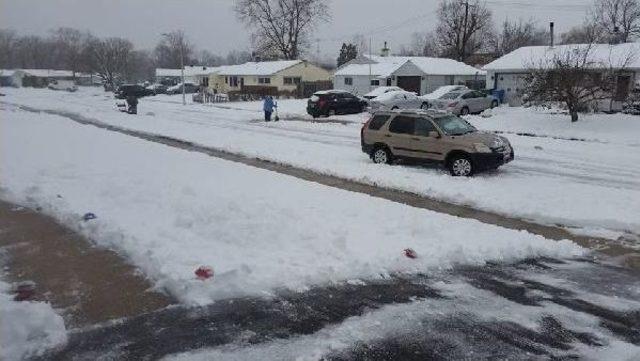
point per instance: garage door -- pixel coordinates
(410, 83)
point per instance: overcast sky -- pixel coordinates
(211, 24)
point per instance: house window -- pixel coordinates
(449, 79)
(233, 81)
(375, 82)
(288, 80)
(348, 81)
(226, 80)
(388, 81)
(264, 80)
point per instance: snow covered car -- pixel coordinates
(157, 88)
(396, 100)
(433, 136)
(189, 88)
(66, 85)
(381, 90)
(329, 102)
(465, 102)
(429, 98)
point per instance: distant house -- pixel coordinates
(197, 74)
(40, 78)
(282, 77)
(420, 75)
(509, 73)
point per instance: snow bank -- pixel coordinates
(27, 329)
(170, 211)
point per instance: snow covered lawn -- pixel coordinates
(170, 211)
(592, 186)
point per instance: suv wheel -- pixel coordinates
(424, 105)
(395, 107)
(461, 166)
(494, 104)
(464, 111)
(381, 155)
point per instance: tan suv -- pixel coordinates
(433, 136)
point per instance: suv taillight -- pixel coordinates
(321, 103)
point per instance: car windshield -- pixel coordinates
(451, 95)
(452, 125)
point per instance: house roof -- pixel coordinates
(47, 73)
(599, 55)
(384, 66)
(6, 72)
(259, 68)
(195, 70)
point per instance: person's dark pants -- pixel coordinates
(267, 116)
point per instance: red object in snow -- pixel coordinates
(410, 253)
(204, 272)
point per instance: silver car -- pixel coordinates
(395, 100)
(465, 102)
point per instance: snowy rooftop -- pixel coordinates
(47, 73)
(188, 71)
(385, 66)
(259, 68)
(6, 72)
(603, 55)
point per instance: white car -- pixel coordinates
(396, 100)
(436, 94)
(67, 85)
(381, 90)
(465, 102)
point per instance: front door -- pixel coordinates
(410, 83)
(622, 88)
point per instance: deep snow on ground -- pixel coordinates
(590, 186)
(170, 211)
(27, 328)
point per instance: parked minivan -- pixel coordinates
(433, 136)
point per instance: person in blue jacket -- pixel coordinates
(268, 106)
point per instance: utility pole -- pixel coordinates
(370, 60)
(464, 31)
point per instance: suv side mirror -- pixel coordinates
(434, 134)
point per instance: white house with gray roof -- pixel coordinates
(421, 75)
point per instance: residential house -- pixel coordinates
(282, 77)
(509, 73)
(197, 74)
(420, 75)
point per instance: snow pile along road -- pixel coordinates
(170, 211)
(27, 329)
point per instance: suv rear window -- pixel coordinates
(378, 121)
(402, 125)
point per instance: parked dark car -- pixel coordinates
(135, 90)
(330, 102)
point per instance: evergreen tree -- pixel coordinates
(348, 52)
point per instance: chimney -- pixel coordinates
(385, 51)
(551, 33)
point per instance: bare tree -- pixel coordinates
(237, 57)
(70, 45)
(587, 33)
(422, 44)
(170, 49)
(111, 59)
(618, 18)
(576, 77)
(8, 43)
(517, 34)
(282, 26)
(463, 28)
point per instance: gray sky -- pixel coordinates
(211, 24)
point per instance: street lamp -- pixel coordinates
(184, 94)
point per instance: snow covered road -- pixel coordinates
(592, 185)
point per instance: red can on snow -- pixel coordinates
(204, 272)
(410, 253)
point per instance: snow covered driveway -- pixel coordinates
(593, 186)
